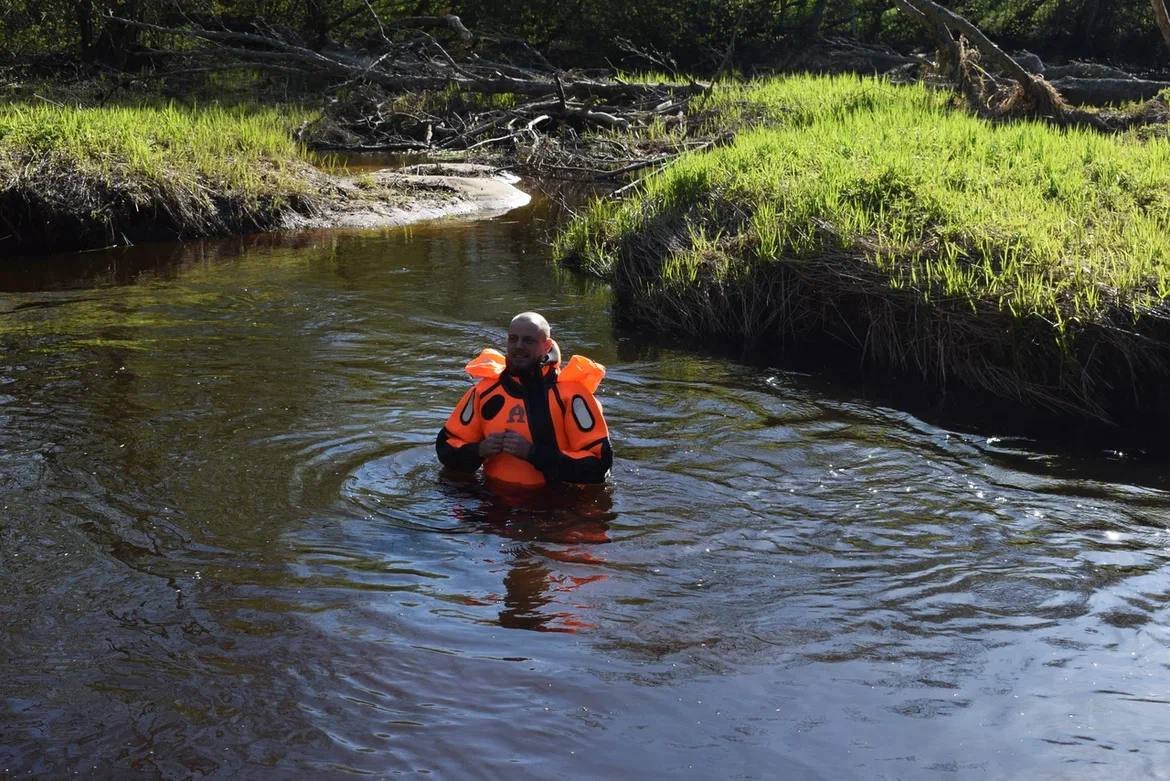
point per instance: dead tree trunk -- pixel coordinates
(945, 25)
(1102, 92)
(1162, 17)
(949, 51)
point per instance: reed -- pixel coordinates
(1017, 259)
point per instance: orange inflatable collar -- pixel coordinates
(490, 363)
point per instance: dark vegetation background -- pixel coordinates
(692, 34)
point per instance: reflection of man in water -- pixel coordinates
(553, 550)
(526, 423)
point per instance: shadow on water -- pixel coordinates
(1040, 444)
(145, 262)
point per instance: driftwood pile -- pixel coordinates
(995, 83)
(429, 84)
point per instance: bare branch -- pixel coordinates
(450, 20)
(490, 80)
(383, 97)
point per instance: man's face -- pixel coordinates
(526, 345)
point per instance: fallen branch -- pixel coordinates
(408, 91)
(1100, 92)
(403, 70)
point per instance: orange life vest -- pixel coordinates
(497, 404)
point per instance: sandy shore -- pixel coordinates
(423, 192)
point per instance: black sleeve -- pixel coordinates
(557, 467)
(461, 459)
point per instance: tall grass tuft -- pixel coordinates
(166, 170)
(1029, 262)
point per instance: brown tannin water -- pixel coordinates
(226, 548)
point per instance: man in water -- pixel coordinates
(525, 423)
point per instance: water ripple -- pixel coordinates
(227, 549)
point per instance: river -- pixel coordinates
(226, 548)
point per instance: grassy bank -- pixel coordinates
(83, 177)
(1018, 260)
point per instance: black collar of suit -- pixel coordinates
(521, 385)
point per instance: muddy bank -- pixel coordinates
(421, 192)
(79, 212)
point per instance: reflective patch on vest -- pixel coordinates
(582, 415)
(517, 414)
(492, 407)
(468, 410)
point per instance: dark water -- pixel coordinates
(226, 550)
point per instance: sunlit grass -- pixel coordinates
(1021, 259)
(1060, 224)
(189, 162)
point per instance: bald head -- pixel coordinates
(528, 341)
(532, 318)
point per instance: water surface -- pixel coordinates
(226, 548)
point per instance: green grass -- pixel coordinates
(1056, 223)
(894, 195)
(201, 166)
